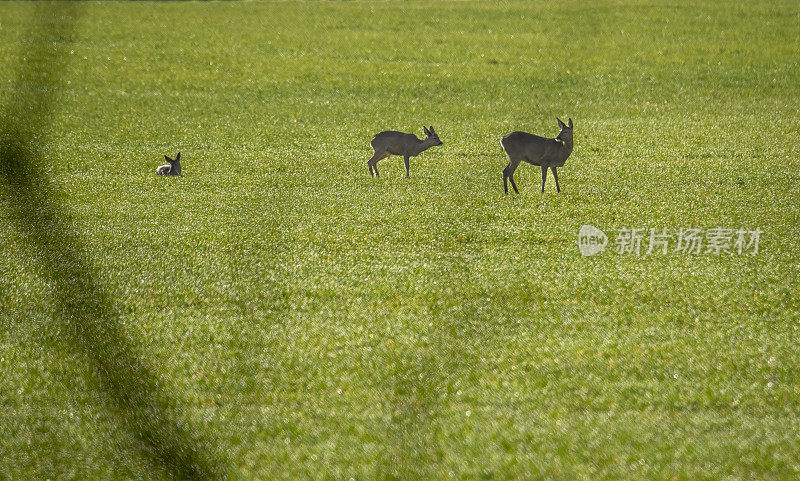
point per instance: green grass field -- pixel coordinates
(311, 322)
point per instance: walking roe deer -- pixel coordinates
(392, 142)
(173, 167)
(541, 151)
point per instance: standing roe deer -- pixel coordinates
(536, 150)
(392, 142)
(173, 167)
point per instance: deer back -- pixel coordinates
(395, 143)
(536, 150)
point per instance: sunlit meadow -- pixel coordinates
(314, 322)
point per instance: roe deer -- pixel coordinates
(392, 142)
(173, 167)
(547, 153)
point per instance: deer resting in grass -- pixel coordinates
(392, 142)
(173, 167)
(540, 151)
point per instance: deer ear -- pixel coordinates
(570, 123)
(168, 159)
(560, 123)
(431, 129)
(425, 129)
(178, 157)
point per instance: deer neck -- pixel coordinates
(421, 146)
(566, 148)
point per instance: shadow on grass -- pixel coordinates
(424, 382)
(85, 311)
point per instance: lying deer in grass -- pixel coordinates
(547, 153)
(391, 142)
(173, 167)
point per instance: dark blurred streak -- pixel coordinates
(86, 313)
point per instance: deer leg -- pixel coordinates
(405, 159)
(544, 176)
(508, 173)
(373, 163)
(558, 189)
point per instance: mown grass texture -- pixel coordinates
(315, 322)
